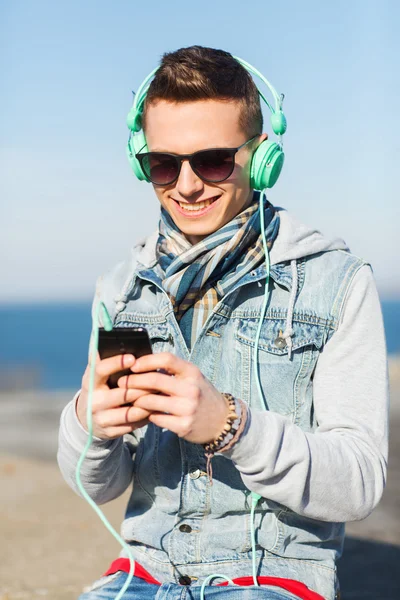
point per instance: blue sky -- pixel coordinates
(71, 208)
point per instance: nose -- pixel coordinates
(188, 182)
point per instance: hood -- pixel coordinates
(297, 240)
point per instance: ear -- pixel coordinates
(263, 136)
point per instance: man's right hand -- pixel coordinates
(111, 419)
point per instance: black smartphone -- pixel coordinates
(123, 340)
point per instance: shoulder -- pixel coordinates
(324, 257)
(342, 278)
(337, 260)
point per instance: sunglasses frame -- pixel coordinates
(181, 157)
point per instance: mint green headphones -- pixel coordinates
(267, 160)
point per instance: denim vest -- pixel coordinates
(176, 522)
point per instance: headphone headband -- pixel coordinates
(278, 119)
(254, 71)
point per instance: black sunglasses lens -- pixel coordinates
(161, 169)
(214, 165)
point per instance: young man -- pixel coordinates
(309, 456)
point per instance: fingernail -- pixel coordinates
(135, 366)
(129, 359)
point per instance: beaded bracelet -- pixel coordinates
(231, 432)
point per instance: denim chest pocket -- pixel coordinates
(284, 381)
(160, 337)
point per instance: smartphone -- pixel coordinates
(123, 340)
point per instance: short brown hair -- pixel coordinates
(199, 73)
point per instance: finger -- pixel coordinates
(171, 422)
(157, 382)
(108, 366)
(117, 417)
(139, 424)
(116, 432)
(165, 404)
(117, 397)
(168, 362)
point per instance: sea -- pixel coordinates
(44, 346)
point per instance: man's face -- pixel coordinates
(184, 128)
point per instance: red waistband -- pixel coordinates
(290, 585)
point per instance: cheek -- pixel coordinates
(161, 194)
(240, 177)
(239, 184)
(245, 173)
(237, 200)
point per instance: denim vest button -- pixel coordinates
(280, 342)
(195, 474)
(185, 528)
(185, 580)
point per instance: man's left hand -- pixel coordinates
(186, 403)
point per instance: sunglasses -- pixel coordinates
(213, 165)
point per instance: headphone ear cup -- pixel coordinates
(137, 143)
(134, 120)
(266, 165)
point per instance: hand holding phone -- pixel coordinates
(112, 412)
(120, 341)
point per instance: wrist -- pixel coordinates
(231, 431)
(231, 417)
(74, 430)
(79, 411)
(238, 427)
(224, 414)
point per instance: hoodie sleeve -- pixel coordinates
(108, 466)
(107, 469)
(338, 472)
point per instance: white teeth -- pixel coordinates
(197, 205)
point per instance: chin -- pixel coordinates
(199, 233)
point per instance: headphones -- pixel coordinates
(267, 160)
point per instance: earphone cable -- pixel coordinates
(106, 523)
(265, 303)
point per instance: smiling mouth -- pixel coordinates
(197, 206)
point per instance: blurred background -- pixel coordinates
(71, 208)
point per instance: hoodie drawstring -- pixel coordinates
(288, 333)
(122, 298)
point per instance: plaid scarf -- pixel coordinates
(197, 277)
